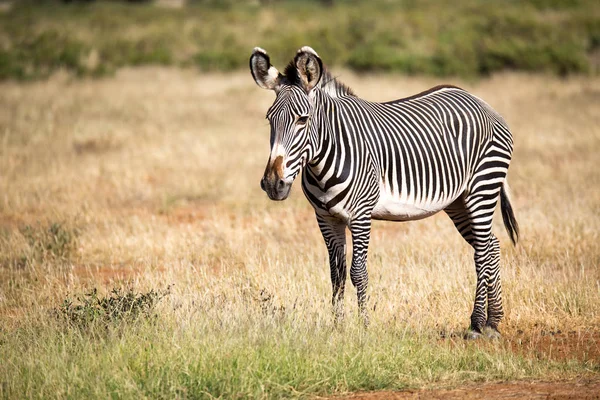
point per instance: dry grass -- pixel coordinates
(153, 179)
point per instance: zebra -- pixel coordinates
(401, 160)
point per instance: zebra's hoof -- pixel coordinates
(472, 335)
(491, 333)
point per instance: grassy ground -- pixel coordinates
(150, 179)
(466, 38)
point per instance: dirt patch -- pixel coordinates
(582, 345)
(582, 389)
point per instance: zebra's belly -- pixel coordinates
(392, 208)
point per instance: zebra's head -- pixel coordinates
(290, 116)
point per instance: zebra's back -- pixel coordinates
(428, 148)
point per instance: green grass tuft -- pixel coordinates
(290, 358)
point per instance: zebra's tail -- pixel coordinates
(508, 215)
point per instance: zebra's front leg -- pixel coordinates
(361, 232)
(334, 233)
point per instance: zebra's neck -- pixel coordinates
(329, 138)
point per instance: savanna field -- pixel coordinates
(139, 257)
(149, 181)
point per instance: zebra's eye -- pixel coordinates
(302, 120)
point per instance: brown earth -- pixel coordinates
(545, 344)
(580, 389)
(536, 344)
(582, 345)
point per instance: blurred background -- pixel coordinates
(441, 38)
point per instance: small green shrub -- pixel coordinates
(38, 55)
(9, 67)
(223, 60)
(119, 305)
(144, 51)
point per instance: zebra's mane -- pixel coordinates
(328, 83)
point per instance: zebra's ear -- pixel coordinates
(309, 66)
(265, 75)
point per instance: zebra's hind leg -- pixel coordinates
(495, 312)
(472, 217)
(334, 234)
(461, 218)
(487, 262)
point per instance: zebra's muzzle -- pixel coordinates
(273, 183)
(276, 189)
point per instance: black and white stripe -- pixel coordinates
(443, 149)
